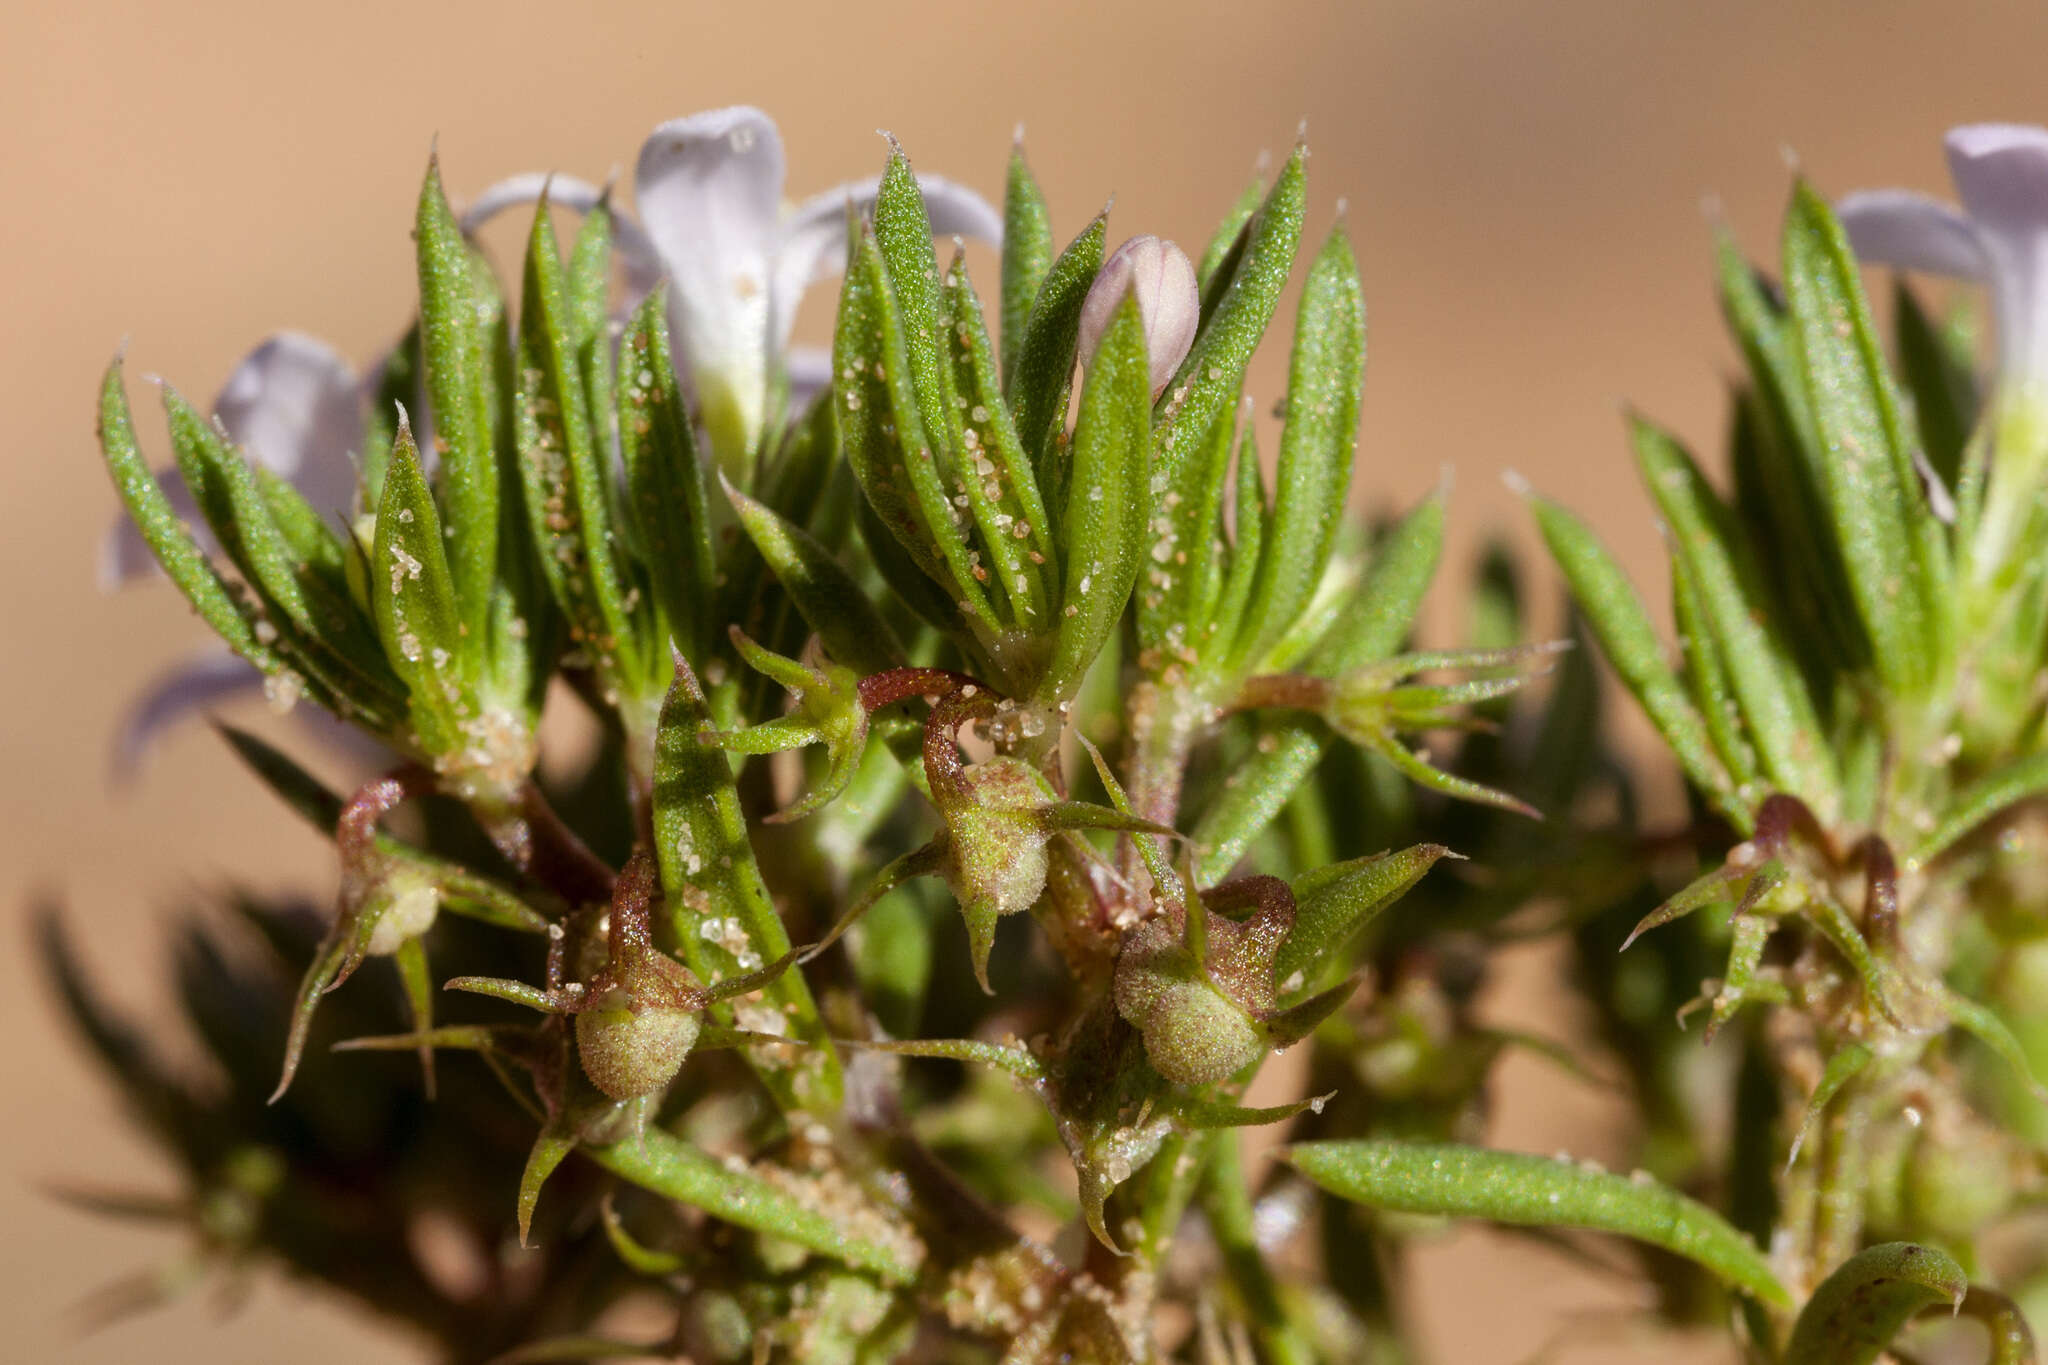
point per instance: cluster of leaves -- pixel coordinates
(1104, 744)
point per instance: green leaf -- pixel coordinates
(1027, 255)
(1334, 904)
(1211, 377)
(1995, 792)
(883, 430)
(1044, 364)
(1857, 1311)
(459, 392)
(665, 479)
(1381, 614)
(414, 599)
(566, 483)
(167, 536)
(723, 920)
(321, 630)
(1777, 462)
(1249, 519)
(550, 1149)
(1108, 502)
(1529, 1191)
(1180, 591)
(1316, 446)
(1630, 643)
(398, 386)
(675, 1169)
(1940, 381)
(1226, 245)
(1374, 623)
(999, 483)
(1844, 1066)
(903, 237)
(1768, 688)
(1707, 677)
(831, 603)
(1892, 547)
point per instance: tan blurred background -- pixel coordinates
(1525, 181)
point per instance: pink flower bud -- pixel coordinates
(1159, 274)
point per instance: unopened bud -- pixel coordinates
(1193, 1034)
(997, 837)
(1158, 273)
(631, 1047)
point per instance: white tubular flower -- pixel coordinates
(1999, 239)
(1169, 304)
(713, 222)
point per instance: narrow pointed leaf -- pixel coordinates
(1333, 904)
(1844, 1066)
(1773, 698)
(884, 433)
(414, 598)
(903, 237)
(550, 1149)
(1891, 545)
(1316, 445)
(1373, 625)
(1531, 1191)
(665, 479)
(417, 979)
(1027, 255)
(1043, 368)
(826, 594)
(1706, 677)
(566, 483)
(1631, 645)
(1179, 590)
(675, 1169)
(1226, 244)
(1852, 1318)
(1991, 794)
(166, 535)
(1210, 378)
(1943, 389)
(1108, 502)
(452, 344)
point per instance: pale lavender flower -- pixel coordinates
(712, 221)
(1169, 304)
(1999, 238)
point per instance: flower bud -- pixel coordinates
(996, 837)
(405, 903)
(1193, 1035)
(1169, 304)
(631, 1047)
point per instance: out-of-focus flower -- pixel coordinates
(1169, 304)
(712, 221)
(2000, 239)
